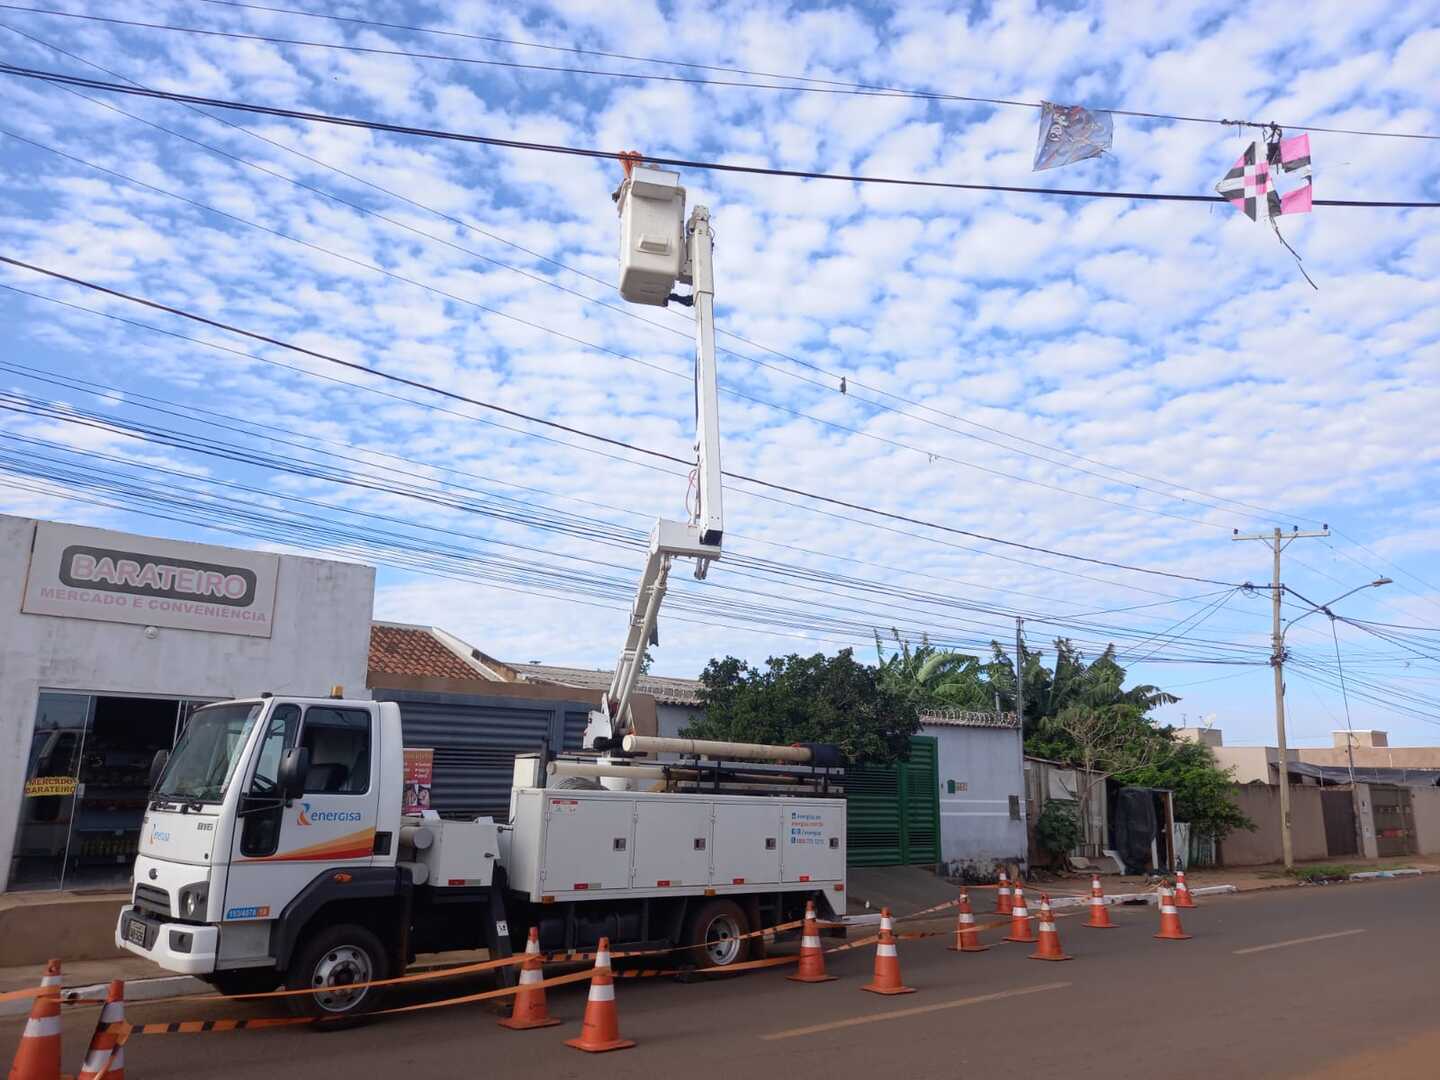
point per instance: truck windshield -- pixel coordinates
(207, 753)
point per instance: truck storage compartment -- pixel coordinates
(575, 845)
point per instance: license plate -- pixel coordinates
(135, 932)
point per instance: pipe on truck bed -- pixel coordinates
(654, 744)
(641, 771)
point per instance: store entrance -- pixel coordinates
(86, 787)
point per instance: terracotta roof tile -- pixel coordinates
(665, 690)
(396, 650)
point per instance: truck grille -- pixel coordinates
(149, 898)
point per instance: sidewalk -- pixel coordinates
(1249, 878)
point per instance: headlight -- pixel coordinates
(193, 900)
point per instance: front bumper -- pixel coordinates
(165, 942)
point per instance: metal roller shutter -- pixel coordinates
(475, 740)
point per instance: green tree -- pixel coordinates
(932, 677)
(1057, 829)
(825, 699)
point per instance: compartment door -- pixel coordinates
(672, 843)
(587, 843)
(747, 844)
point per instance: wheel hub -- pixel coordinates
(722, 940)
(340, 968)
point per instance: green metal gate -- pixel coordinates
(893, 811)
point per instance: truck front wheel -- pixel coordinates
(335, 959)
(715, 935)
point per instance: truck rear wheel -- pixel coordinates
(715, 935)
(334, 959)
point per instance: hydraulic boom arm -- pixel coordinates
(659, 247)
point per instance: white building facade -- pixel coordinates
(109, 641)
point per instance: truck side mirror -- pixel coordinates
(294, 768)
(157, 766)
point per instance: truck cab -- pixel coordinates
(270, 811)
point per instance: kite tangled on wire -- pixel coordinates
(1250, 185)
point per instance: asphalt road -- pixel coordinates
(1326, 982)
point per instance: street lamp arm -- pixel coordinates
(1325, 607)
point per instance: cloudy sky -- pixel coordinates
(1120, 380)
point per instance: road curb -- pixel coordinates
(135, 990)
(1370, 875)
(1139, 898)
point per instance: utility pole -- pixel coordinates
(1020, 675)
(1278, 542)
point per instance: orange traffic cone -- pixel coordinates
(1182, 892)
(967, 936)
(812, 955)
(1170, 928)
(529, 1010)
(1021, 929)
(38, 1057)
(106, 1056)
(1002, 895)
(52, 976)
(1099, 911)
(887, 962)
(601, 1029)
(1049, 946)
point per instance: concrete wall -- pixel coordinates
(1425, 801)
(320, 636)
(1251, 763)
(1261, 803)
(1374, 757)
(671, 719)
(976, 830)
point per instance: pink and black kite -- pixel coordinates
(1250, 183)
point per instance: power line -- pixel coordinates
(172, 435)
(608, 440)
(1398, 626)
(190, 412)
(626, 311)
(472, 418)
(854, 383)
(930, 455)
(546, 573)
(819, 86)
(684, 163)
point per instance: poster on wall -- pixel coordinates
(82, 573)
(419, 771)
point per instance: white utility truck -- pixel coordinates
(274, 849)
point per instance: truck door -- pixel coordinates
(277, 850)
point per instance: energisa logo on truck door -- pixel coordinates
(308, 816)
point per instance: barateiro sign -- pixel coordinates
(82, 573)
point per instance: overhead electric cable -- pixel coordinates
(608, 440)
(818, 86)
(746, 493)
(930, 455)
(854, 384)
(684, 163)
